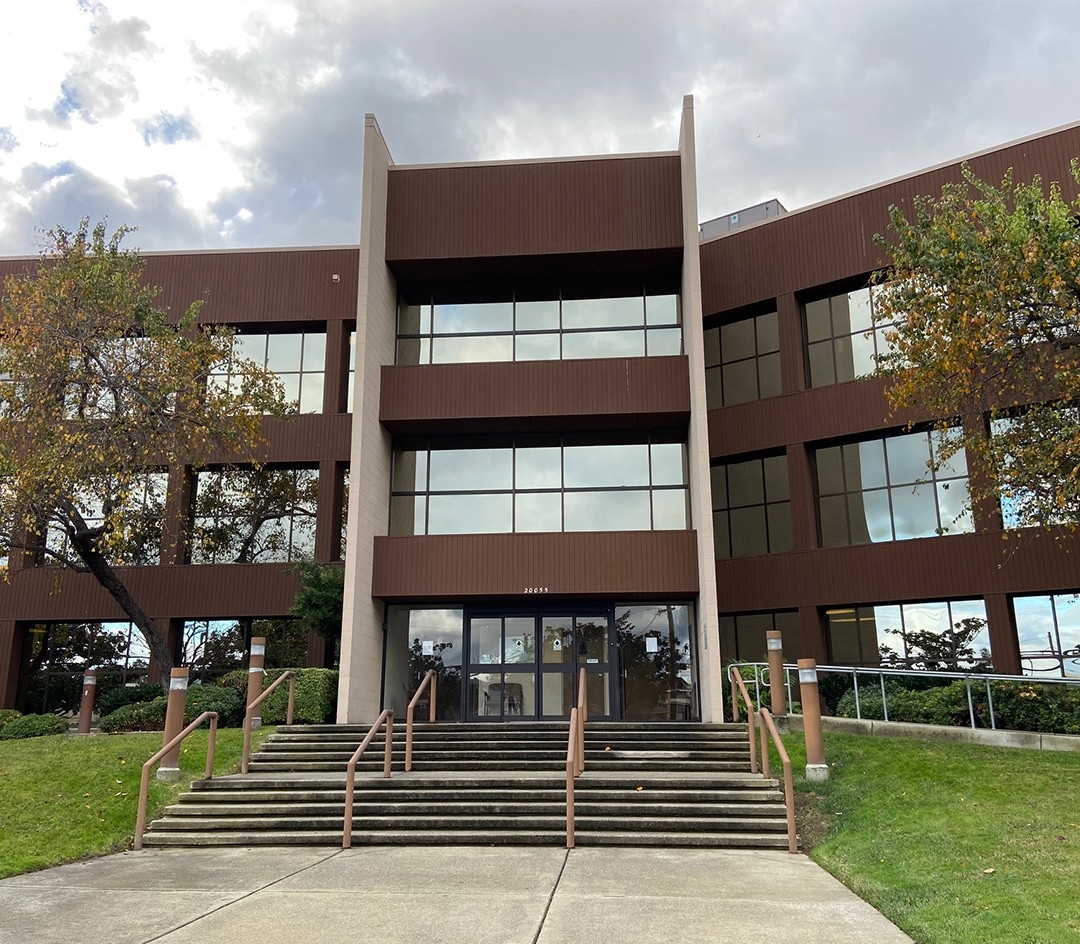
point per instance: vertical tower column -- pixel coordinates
(359, 689)
(708, 639)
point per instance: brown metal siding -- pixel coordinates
(641, 392)
(203, 591)
(241, 287)
(623, 564)
(967, 565)
(595, 205)
(835, 241)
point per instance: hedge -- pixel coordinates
(122, 695)
(142, 716)
(29, 726)
(228, 705)
(7, 715)
(316, 695)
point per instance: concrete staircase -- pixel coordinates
(487, 784)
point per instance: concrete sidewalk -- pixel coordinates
(444, 895)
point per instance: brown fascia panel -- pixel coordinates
(202, 591)
(945, 568)
(614, 393)
(835, 240)
(536, 568)
(848, 410)
(534, 208)
(289, 285)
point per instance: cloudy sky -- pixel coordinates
(234, 123)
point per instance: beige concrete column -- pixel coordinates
(708, 637)
(359, 692)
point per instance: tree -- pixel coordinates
(98, 388)
(321, 596)
(983, 297)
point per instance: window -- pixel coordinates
(352, 370)
(298, 361)
(841, 338)
(1048, 628)
(742, 636)
(751, 507)
(742, 361)
(255, 516)
(540, 483)
(947, 635)
(528, 329)
(142, 508)
(888, 490)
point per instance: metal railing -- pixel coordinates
(970, 679)
(739, 686)
(789, 788)
(250, 713)
(765, 725)
(144, 785)
(429, 680)
(386, 717)
(575, 752)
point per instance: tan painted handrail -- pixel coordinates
(789, 789)
(350, 778)
(291, 676)
(572, 745)
(735, 677)
(575, 753)
(583, 716)
(429, 678)
(144, 786)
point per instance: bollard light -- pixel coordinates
(86, 707)
(169, 768)
(774, 643)
(816, 768)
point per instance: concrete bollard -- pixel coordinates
(816, 768)
(89, 693)
(169, 769)
(777, 692)
(256, 674)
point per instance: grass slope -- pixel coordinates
(64, 798)
(953, 843)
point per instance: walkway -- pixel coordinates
(447, 895)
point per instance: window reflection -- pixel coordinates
(540, 486)
(842, 341)
(298, 360)
(545, 329)
(1048, 628)
(751, 507)
(742, 362)
(888, 490)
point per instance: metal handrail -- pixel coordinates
(789, 787)
(572, 760)
(761, 670)
(735, 677)
(583, 716)
(429, 677)
(250, 713)
(350, 776)
(144, 785)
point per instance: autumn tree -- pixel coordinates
(100, 390)
(983, 295)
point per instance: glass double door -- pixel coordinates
(525, 666)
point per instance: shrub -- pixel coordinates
(1028, 706)
(29, 726)
(122, 695)
(7, 715)
(142, 716)
(316, 697)
(237, 681)
(225, 701)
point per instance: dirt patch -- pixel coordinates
(811, 820)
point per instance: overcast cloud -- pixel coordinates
(234, 124)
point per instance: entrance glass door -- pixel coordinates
(502, 668)
(507, 680)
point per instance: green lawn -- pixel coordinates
(64, 798)
(954, 843)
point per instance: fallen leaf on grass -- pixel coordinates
(989, 871)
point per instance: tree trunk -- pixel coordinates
(106, 576)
